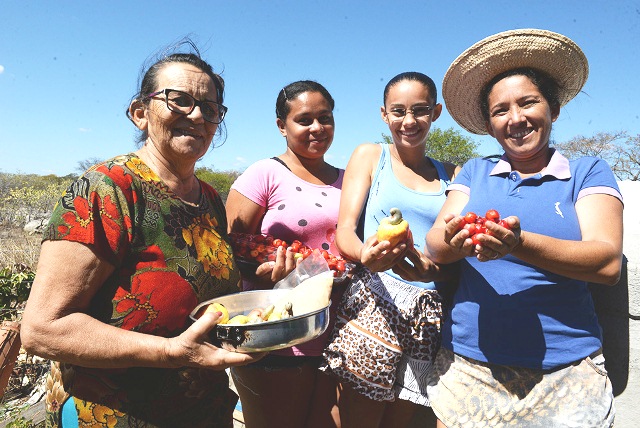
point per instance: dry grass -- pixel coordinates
(18, 247)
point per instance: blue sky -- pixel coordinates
(68, 68)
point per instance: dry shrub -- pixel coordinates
(19, 247)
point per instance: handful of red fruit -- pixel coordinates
(475, 224)
(262, 248)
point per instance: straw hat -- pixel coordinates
(543, 50)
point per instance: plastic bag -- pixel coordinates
(314, 264)
(309, 286)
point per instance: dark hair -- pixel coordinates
(293, 90)
(412, 76)
(149, 75)
(546, 84)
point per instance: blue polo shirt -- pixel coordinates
(507, 311)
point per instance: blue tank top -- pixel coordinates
(420, 209)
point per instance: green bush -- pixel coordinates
(20, 422)
(15, 286)
(219, 180)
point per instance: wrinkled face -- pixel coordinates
(178, 136)
(413, 99)
(309, 126)
(520, 118)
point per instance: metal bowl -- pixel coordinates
(265, 336)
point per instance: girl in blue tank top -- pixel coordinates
(388, 327)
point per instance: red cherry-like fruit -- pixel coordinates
(492, 215)
(470, 217)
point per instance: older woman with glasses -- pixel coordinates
(388, 328)
(131, 249)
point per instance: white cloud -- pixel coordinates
(1, 69)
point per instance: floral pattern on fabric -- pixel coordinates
(169, 256)
(96, 415)
(206, 245)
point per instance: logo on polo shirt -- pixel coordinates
(558, 210)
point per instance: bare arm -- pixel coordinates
(56, 325)
(245, 216)
(597, 257)
(378, 256)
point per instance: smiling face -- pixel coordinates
(520, 118)
(178, 138)
(409, 95)
(309, 125)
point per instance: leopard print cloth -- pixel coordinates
(386, 337)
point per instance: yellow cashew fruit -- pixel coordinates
(393, 228)
(219, 307)
(273, 316)
(239, 319)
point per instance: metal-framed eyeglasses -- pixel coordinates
(418, 112)
(183, 103)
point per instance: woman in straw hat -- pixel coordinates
(522, 345)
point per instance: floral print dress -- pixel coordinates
(169, 256)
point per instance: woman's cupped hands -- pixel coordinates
(497, 242)
(379, 256)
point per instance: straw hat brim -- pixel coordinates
(550, 52)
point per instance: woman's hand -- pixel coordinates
(456, 237)
(192, 348)
(381, 256)
(416, 266)
(271, 272)
(498, 242)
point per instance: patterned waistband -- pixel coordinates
(391, 289)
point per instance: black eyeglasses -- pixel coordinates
(183, 103)
(418, 112)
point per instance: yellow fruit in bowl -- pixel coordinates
(255, 315)
(274, 316)
(239, 319)
(219, 307)
(267, 312)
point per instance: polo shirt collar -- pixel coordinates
(558, 166)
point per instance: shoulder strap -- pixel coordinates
(442, 171)
(277, 159)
